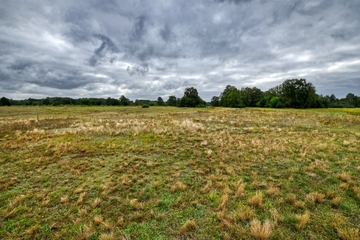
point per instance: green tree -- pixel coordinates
(191, 98)
(351, 100)
(215, 101)
(160, 101)
(171, 101)
(124, 101)
(4, 101)
(231, 97)
(298, 93)
(251, 96)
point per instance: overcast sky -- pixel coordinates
(145, 49)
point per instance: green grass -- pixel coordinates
(174, 173)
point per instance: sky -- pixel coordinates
(146, 49)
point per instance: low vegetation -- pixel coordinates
(179, 173)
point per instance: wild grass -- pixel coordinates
(170, 173)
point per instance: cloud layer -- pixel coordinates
(146, 49)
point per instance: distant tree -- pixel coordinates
(46, 101)
(251, 96)
(4, 101)
(191, 98)
(112, 101)
(215, 101)
(171, 101)
(231, 97)
(124, 101)
(351, 100)
(82, 101)
(160, 101)
(297, 93)
(332, 98)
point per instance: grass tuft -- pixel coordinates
(348, 233)
(302, 220)
(256, 200)
(189, 225)
(261, 231)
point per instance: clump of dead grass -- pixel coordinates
(348, 233)
(178, 186)
(273, 191)
(256, 200)
(302, 220)
(345, 176)
(261, 231)
(315, 197)
(245, 213)
(189, 225)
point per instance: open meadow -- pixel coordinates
(178, 173)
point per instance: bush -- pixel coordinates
(145, 106)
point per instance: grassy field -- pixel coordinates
(172, 173)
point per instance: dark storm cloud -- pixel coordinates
(148, 49)
(139, 29)
(107, 47)
(166, 33)
(20, 65)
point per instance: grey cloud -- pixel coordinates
(139, 29)
(137, 70)
(102, 47)
(107, 47)
(166, 33)
(233, 1)
(20, 65)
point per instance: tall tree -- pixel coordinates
(124, 101)
(191, 98)
(251, 96)
(231, 97)
(215, 101)
(171, 101)
(298, 93)
(160, 101)
(5, 102)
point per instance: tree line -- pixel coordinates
(292, 93)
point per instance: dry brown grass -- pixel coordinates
(96, 202)
(84, 232)
(291, 198)
(189, 225)
(347, 233)
(178, 186)
(315, 197)
(256, 200)
(245, 213)
(275, 216)
(261, 231)
(107, 236)
(335, 202)
(273, 191)
(98, 219)
(345, 176)
(223, 202)
(302, 220)
(240, 191)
